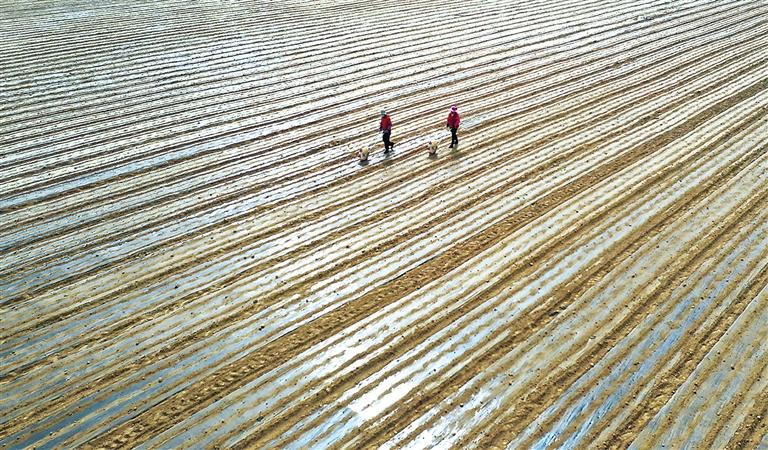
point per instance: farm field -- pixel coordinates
(191, 256)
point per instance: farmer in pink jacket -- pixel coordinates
(385, 127)
(453, 123)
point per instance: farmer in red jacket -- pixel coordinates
(385, 127)
(453, 123)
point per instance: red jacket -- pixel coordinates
(453, 119)
(385, 124)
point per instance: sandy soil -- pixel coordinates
(192, 256)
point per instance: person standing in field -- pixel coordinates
(453, 123)
(385, 127)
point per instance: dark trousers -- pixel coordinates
(387, 143)
(454, 136)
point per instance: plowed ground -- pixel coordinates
(191, 255)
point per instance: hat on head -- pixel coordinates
(383, 113)
(453, 108)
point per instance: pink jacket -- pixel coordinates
(385, 124)
(453, 119)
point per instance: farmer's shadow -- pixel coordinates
(387, 158)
